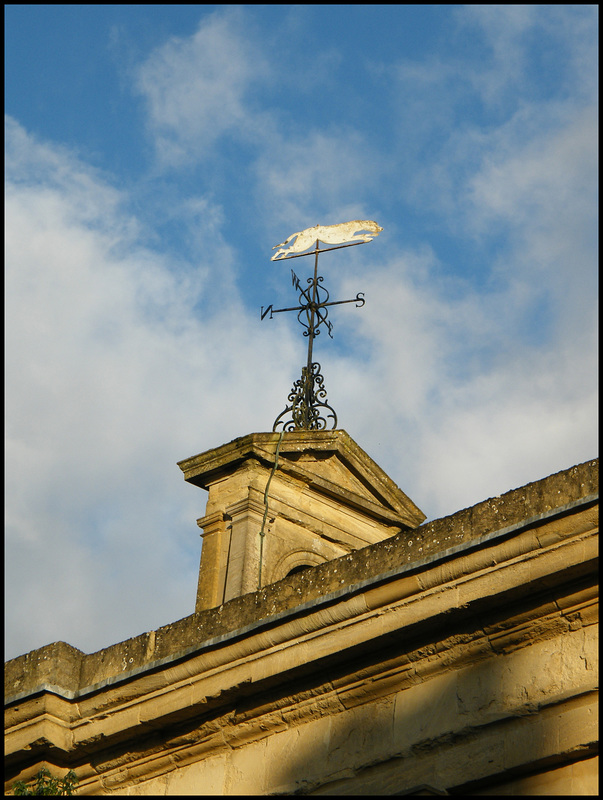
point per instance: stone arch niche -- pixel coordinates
(294, 562)
(326, 498)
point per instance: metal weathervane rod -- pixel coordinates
(307, 399)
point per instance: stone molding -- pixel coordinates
(376, 492)
(347, 630)
(67, 667)
(469, 643)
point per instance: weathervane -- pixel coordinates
(307, 398)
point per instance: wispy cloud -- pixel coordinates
(449, 375)
(204, 90)
(470, 369)
(198, 88)
(321, 173)
(114, 376)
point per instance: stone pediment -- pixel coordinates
(329, 462)
(325, 498)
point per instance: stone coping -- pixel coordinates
(64, 669)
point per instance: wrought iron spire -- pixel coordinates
(308, 407)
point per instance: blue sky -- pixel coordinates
(154, 156)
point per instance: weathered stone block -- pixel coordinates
(206, 777)
(425, 712)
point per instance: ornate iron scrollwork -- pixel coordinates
(308, 400)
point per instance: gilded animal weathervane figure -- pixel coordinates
(307, 399)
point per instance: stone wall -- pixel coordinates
(461, 655)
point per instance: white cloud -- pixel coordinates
(502, 32)
(112, 376)
(545, 195)
(200, 91)
(449, 395)
(551, 175)
(118, 365)
(197, 88)
(491, 384)
(524, 74)
(316, 177)
(529, 417)
(484, 385)
(203, 90)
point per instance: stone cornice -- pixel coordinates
(461, 612)
(517, 549)
(387, 498)
(345, 631)
(410, 550)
